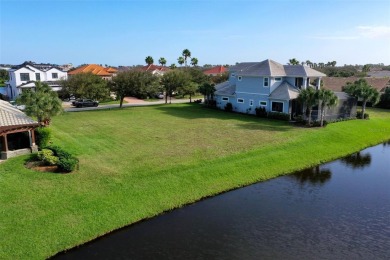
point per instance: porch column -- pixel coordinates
(319, 83)
(304, 86)
(4, 145)
(31, 134)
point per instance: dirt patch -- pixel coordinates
(39, 166)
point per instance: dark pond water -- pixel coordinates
(339, 210)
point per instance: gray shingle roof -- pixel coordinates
(225, 89)
(272, 68)
(284, 92)
(10, 116)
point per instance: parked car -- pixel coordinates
(85, 103)
(20, 107)
(160, 95)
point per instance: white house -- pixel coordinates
(24, 76)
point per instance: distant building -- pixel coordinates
(154, 69)
(25, 75)
(105, 73)
(66, 67)
(218, 70)
(337, 83)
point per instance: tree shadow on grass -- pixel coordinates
(250, 122)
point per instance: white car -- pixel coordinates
(20, 107)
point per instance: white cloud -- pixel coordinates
(374, 31)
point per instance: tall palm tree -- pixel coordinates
(149, 60)
(162, 61)
(186, 54)
(309, 99)
(173, 66)
(180, 60)
(326, 99)
(194, 62)
(309, 63)
(293, 61)
(360, 89)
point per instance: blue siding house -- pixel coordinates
(266, 84)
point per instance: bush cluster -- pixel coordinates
(43, 136)
(261, 112)
(229, 107)
(279, 116)
(55, 155)
(210, 102)
(359, 115)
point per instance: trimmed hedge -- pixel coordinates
(279, 116)
(43, 136)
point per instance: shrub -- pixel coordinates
(43, 136)
(48, 157)
(318, 123)
(261, 112)
(59, 152)
(210, 102)
(229, 107)
(279, 116)
(67, 164)
(359, 115)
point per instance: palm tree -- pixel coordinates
(309, 63)
(293, 61)
(162, 61)
(360, 89)
(186, 53)
(309, 99)
(149, 60)
(173, 66)
(194, 62)
(180, 60)
(326, 99)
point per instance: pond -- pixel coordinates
(339, 210)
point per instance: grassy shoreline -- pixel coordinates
(140, 162)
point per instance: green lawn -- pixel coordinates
(137, 162)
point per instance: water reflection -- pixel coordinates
(314, 175)
(357, 160)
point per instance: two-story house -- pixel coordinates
(24, 76)
(266, 84)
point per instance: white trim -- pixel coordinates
(252, 93)
(251, 102)
(227, 99)
(243, 100)
(267, 82)
(272, 102)
(266, 103)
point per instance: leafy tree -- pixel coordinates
(186, 54)
(309, 63)
(172, 66)
(172, 81)
(385, 99)
(197, 76)
(207, 90)
(308, 98)
(220, 78)
(43, 103)
(189, 89)
(180, 60)
(3, 76)
(134, 83)
(149, 60)
(86, 85)
(366, 68)
(326, 99)
(162, 61)
(360, 89)
(293, 61)
(194, 62)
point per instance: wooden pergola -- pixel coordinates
(13, 121)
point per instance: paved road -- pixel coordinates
(100, 107)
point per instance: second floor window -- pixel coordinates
(54, 75)
(37, 76)
(24, 77)
(266, 82)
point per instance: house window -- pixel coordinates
(225, 99)
(251, 102)
(38, 76)
(263, 103)
(277, 106)
(266, 82)
(278, 79)
(239, 78)
(54, 75)
(233, 74)
(240, 100)
(24, 77)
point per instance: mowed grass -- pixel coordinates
(138, 162)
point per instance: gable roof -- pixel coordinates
(272, 68)
(337, 83)
(215, 70)
(153, 67)
(284, 92)
(225, 89)
(94, 69)
(10, 116)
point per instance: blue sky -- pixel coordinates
(121, 32)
